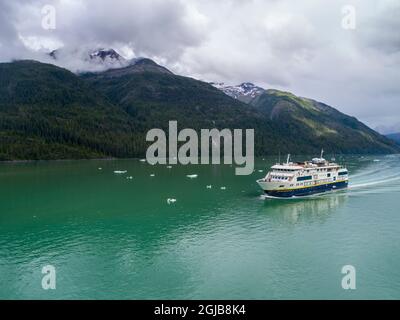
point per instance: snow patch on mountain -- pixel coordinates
(106, 55)
(243, 92)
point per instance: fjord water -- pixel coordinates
(111, 237)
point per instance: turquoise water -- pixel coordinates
(116, 238)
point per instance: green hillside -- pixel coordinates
(152, 98)
(47, 112)
(320, 125)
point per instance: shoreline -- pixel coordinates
(62, 160)
(134, 158)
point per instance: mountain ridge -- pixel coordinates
(48, 112)
(288, 110)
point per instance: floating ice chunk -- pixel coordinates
(152, 175)
(120, 171)
(100, 168)
(191, 176)
(377, 160)
(142, 160)
(223, 188)
(171, 200)
(260, 170)
(209, 186)
(169, 167)
(129, 178)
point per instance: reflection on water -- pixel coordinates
(313, 208)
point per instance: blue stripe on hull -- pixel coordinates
(309, 190)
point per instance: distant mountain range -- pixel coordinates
(47, 112)
(394, 136)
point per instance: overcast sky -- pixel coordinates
(307, 47)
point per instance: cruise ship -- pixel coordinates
(292, 179)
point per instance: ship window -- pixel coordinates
(329, 175)
(342, 173)
(304, 178)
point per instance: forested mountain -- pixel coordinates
(320, 124)
(47, 112)
(308, 120)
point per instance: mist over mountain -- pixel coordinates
(85, 59)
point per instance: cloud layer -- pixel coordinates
(297, 46)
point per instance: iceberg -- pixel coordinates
(171, 200)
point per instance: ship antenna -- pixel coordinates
(288, 158)
(322, 153)
(279, 159)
